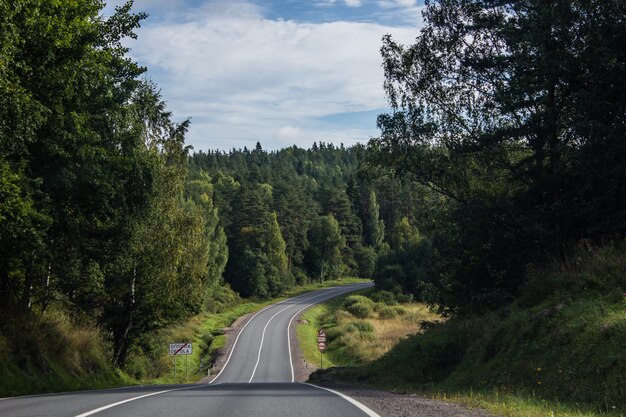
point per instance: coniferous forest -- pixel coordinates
(504, 150)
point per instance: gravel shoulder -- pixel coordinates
(389, 404)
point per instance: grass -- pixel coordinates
(516, 405)
(352, 339)
(558, 350)
(205, 331)
(310, 322)
(55, 355)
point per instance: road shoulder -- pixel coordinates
(389, 404)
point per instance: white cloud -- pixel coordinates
(243, 78)
(289, 133)
(353, 3)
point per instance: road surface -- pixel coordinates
(257, 380)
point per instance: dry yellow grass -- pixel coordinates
(387, 332)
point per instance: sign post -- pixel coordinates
(180, 349)
(321, 345)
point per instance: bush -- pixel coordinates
(359, 306)
(405, 298)
(360, 326)
(388, 313)
(383, 296)
(379, 306)
(360, 310)
(399, 310)
(353, 299)
(300, 277)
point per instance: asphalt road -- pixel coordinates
(257, 380)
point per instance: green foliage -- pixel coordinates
(387, 313)
(93, 213)
(325, 245)
(391, 312)
(62, 356)
(374, 232)
(360, 326)
(302, 184)
(562, 341)
(365, 259)
(382, 296)
(407, 264)
(359, 306)
(485, 118)
(258, 262)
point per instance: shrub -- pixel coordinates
(383, 296)
(359, 306)
(379, 306)
(361, 310)
(387, 313)
(353, 299)
(360, 326)
(405, 298)
(300, 277)
(399, 310)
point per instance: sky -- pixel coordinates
(279, 72)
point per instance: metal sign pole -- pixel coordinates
(174, 367)
(186, 373)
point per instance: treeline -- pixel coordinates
(294, 215)
(97, 218)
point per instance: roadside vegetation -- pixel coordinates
(558, 350)
(59, 356)
(205, 331)
(360, 327)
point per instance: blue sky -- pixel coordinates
(279, 72)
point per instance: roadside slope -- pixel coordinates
(559, 348)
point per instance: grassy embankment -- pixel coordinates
(55, 355)
(358, 328)
(559, 350)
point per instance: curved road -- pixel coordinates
(256, 380)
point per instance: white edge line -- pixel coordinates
(293, 378)
(334, 289)
(106, 407)
(289, 326)
(232, 349)
(352, 401)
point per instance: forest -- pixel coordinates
(504, 149)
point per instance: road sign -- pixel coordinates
(321, 336)
(180, 348)
(321, 345)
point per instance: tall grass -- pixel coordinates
(51, 354)
(358, 328)
(559, 349)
